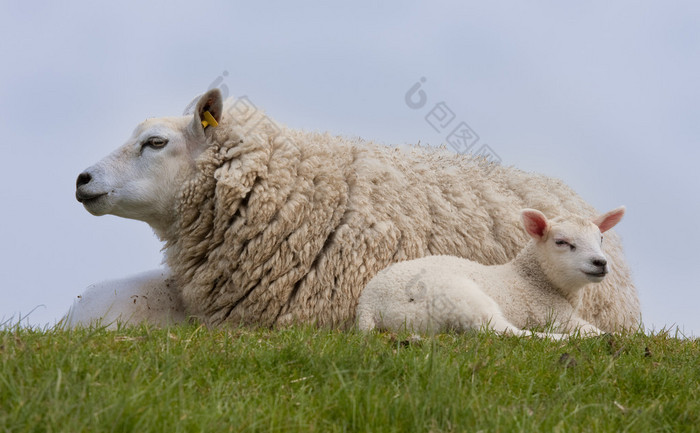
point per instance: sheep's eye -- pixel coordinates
(155, 142)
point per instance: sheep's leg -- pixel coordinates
(149, 297)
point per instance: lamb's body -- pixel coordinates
(439, 293)
(540, 287)
(276, 226)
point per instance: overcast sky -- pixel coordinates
(603, 95)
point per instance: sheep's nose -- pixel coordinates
(83, 178)
(599, 262)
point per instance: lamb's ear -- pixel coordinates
(608, 220)
(207, 113)
(535, 223)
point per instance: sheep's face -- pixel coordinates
(570, 250)
(142, 179)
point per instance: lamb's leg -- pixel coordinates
(365, 320)
(502, 326)
(584, 328)
(550, 335)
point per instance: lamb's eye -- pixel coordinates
(563, 242)
(155, 142)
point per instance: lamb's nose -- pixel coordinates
(83, 178)
(599, 262)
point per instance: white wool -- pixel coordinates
(540, 287)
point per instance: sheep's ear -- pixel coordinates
(608, 220)
(207, 113)
(189, 109)
(535, 223)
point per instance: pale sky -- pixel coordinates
(603, 95)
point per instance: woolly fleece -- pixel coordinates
(279, 226)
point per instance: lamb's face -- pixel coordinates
(569, 250)
(141, 179)
(572, 254)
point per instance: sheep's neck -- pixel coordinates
(163, 231)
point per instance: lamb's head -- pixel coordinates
(569, 250)
(142, 179)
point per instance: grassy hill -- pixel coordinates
(306, 379)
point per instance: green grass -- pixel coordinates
(307, 379)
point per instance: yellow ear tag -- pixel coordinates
(209, 120)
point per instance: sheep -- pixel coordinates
(143, 298)
(271, 226)
(541, 286)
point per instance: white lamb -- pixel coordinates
(541, 286)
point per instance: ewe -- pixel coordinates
(541, 286)
(268, 225)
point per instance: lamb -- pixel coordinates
(541, 286)
(271, 226)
